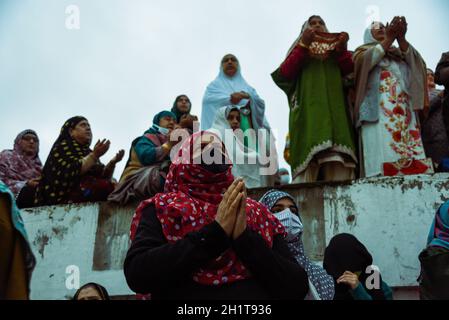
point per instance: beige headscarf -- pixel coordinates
(418, 74)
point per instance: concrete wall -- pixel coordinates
(391, 216)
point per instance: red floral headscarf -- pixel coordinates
(190, 202)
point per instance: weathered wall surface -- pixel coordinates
(391, 216)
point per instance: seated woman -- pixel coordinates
(283, 206)
(21, 168)
(434, 279)
(204, 239)
(347, 260)
(148, 162)
(16, 257)
(245, 161)
(91, 291)
(73, 172)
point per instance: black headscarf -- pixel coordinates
(62, 170)
(346, 253)
(100, 289)
(175, 109)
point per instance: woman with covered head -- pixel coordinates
(247, 163)
(17, 260)
(21, 168)
(148, 162)
(230, 88)
(348, 261)
(321, 142)
(181, 108)
(284, 208)
(204, 239)
(390, 87)
(434, 278)
(73, 172)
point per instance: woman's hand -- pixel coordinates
(240, 222)
(236, 97)
(308, 37)
(101, 147)
(229, 205)
(118, 157)
(343, 39)
(402, 29)
(349, 278)
(33, 182)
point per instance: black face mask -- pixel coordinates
(215, 168)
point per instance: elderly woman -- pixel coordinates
(73, 172)
(284, 208)
(391, 86)
(348, 261)
(434, 278)
(230, 88)
(148, 162)
(21, 168)
(204, 239)
(16, 257)
(321, 143)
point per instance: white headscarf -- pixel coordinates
(218, 94)
(249, 171)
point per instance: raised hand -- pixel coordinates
(308, 37)
(349, 278)
(101, 147)
(118, 157)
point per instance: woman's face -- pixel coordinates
(283, 204)
(317, 24)
(167, 122)
(89, 293)
(230, 65)
(82, 133)
(430, 79)
(183, 104)
(234, 119)
(29, 144)
(378, 31)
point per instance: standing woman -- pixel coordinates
(390, 87)
(321, 137)
(73, 172)
(230, 88)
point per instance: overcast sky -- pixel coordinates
(130, 59)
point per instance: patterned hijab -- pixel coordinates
(323, 283)
(190, 202)
(16, 168)
(62, 170)
(439, 232)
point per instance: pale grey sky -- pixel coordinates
(130, 59)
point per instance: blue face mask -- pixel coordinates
(291, 222)
(161, 130)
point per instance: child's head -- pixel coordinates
(234, 119)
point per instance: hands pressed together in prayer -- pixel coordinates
(396, 30)
(231, 214)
